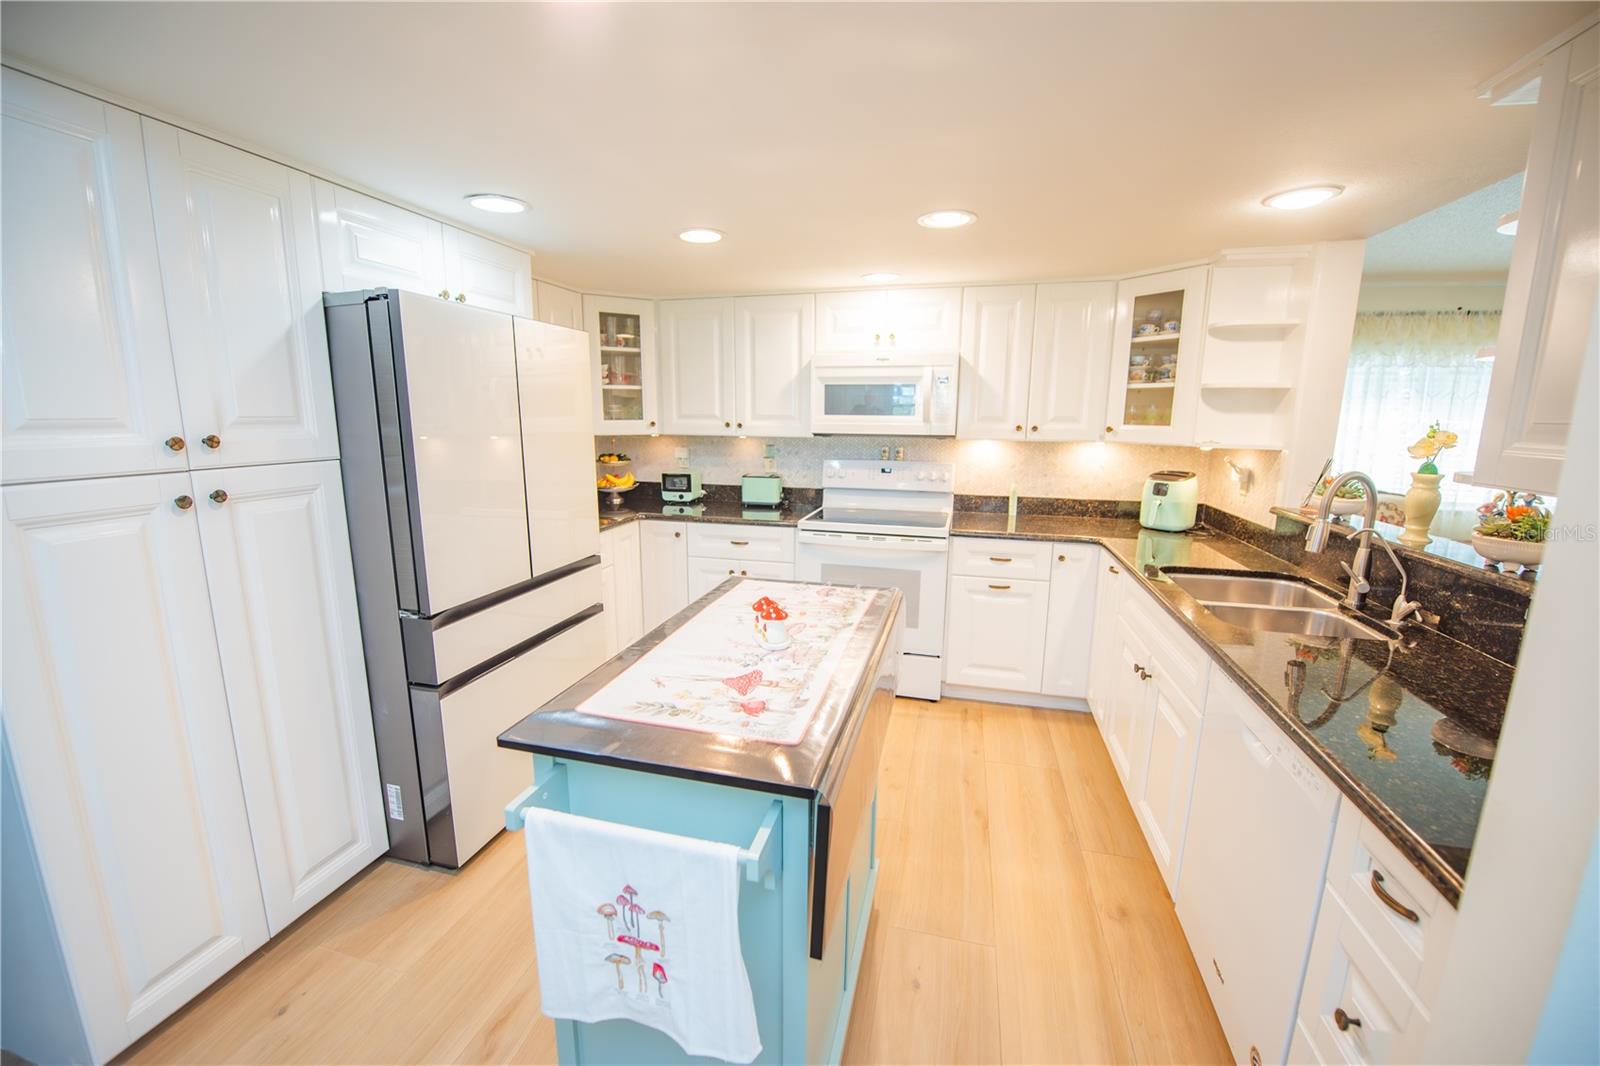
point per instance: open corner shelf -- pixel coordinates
(1251, 331)
(1221, 383)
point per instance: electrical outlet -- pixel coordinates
(681, 454)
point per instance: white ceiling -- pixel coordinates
(1089, 138)
(1455, 242)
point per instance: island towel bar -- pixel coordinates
(761, 861)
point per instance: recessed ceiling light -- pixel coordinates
(880, 276)
(500, 205)
(1299, 199)
(1507, 224)
(700, 236)
(947, 219)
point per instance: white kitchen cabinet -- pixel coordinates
(557, 306)
(1069, 628)
(1260, 826)
(904, 321)
(994, 632)
(696, 360)
(996, 352)
(243, 293)
(1162, 801)
(1549, 315)
(664, 571)
(1072, 327)
(277, 560)
(619, 554)
(1155, 376)
(369, 244)
(117, 718)
(556, 406)
(707, 574)
(487, 274)
(88, 379)
(773, 340)
(1105, 655)
(622, 340)
(1126, 724)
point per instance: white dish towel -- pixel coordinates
(632, 923)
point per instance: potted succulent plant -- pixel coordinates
(1512, 528)
(1350, 499)
(1422, 499)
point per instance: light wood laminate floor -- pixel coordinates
(1019, 919)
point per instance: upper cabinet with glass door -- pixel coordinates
(622, 336)
(1155, 369)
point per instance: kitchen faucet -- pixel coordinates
(1317, 540)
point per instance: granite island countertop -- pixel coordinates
(1401, 727)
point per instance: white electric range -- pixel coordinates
(887, 525)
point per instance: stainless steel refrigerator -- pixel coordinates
(466, 440)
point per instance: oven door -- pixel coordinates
(883, 400)
(916, 567)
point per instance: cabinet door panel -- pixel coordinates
(283, 593)
(622, 338)
(664, 566)
(1069, 634)
(116, 714)
(707, 574)
(1127, 726)
(88, 382)
(996, 347)
(1071, 358)
(995, 633)
(1105, 655)
(772, 355)
(558, 306)
(557, 443)
(1154, 386)
(369, 244)
(1163, 799)
(697, 367)
(485, 274)
(889, 320)
(240, 272)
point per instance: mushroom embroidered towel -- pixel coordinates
(631, 923)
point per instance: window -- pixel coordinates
(1407, 370)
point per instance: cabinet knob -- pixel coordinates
(1061, 558)
(219, 496)
(891, 338)
(676, 534)
(184, 502)
(727, 425)
(461, 297)
(730, 571)
(738, 425)
(174, 444)
(652, 425)
(1019, 427)
(876, 338)
(744, 573)
(1343, 1020)
(1110, 429)
(212, 441)
(444, 294)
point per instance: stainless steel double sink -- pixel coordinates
(1273, 604)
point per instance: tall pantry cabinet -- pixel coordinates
(185, 701)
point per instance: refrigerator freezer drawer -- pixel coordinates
(466, 778)
(448, 645)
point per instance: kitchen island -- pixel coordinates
(798, 796)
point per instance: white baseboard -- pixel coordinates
(1020, 699)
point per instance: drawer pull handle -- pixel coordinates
(739, 543)
(1001, 588)
(1113, 570)
(1389, 901)
(1343, 1020)
(998, 559)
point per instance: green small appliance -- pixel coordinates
(1170, 499)
(680, 486)
(761, 490)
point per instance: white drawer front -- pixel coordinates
(465, 643)
(1023, 560)
(707, 574)
(741, 542)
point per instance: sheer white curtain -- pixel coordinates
(1409, 369)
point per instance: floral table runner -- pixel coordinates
(713, 677)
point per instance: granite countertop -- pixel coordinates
(1371, 714)
(720, 504)
(787, 769)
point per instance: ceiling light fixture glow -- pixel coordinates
(700, 235)
(1299, 199)
(1507, 224)
(500, 205)
(879, 277)
(948, 219)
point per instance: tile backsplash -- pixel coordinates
(1093, 470)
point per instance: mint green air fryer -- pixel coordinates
(1170, 498)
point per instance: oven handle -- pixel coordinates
(865, 542)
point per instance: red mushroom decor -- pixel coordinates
(659, 972)
(771, 632)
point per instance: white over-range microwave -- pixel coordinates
(884, 393)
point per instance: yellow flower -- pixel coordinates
(1422, 449)
(1445, 439)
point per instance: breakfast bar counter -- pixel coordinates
(703, 731)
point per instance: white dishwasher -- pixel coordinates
(1260, 829)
